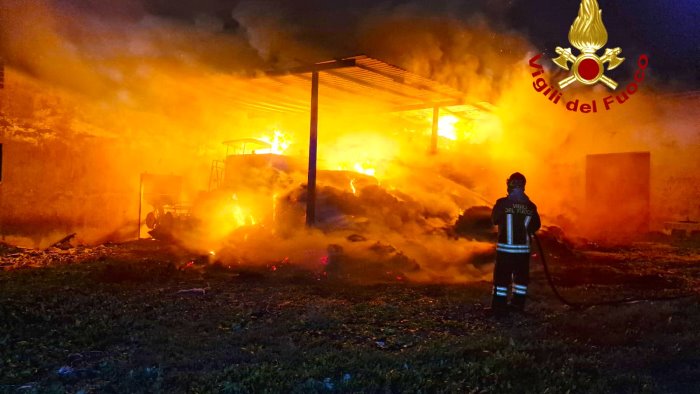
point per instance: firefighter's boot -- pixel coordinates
(499, 303)
(519, 297)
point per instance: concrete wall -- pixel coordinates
(57, 187)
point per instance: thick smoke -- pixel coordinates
(102, 99)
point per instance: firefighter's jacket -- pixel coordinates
(516, 217)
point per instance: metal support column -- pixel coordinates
(434, 136)
(313, 147)
(138, 233)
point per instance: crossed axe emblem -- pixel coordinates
(588, 67)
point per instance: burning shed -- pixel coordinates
(380, 85)
(384, 109)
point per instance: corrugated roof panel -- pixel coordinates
(359, 78)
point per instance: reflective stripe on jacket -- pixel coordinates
(516, 218)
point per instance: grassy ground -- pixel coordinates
(117, 324)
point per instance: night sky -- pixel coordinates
(668, 31)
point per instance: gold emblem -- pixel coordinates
(588, 35)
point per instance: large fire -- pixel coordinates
(447, 127)
(279, 143)
(104, 101)
(366, 169)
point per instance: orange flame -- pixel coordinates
(240, 216)
(362, 169)
(279, 143)
(447, 127)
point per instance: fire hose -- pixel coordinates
(585, 305)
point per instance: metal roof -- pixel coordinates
(247, 141)
(360, 79)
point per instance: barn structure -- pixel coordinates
(39, 164)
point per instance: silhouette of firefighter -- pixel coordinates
(517, 218)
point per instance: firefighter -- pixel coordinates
(516, 217)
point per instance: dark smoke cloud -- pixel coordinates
(163, 57)
(289, 32)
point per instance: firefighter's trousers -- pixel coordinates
(511, 274)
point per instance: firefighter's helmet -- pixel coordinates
(516, 181)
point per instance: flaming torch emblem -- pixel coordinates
(588, 35)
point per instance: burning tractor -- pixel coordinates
(163, 194)
(243, 187)
(241, 192)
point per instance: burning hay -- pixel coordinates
(160, 102)
(251, 208)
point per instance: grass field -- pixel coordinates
(118, 323)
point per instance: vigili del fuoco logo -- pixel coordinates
(588, 35)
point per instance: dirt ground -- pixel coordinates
(147, 317)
